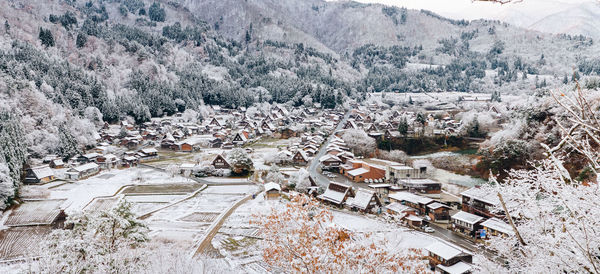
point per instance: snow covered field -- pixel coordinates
(238, 239)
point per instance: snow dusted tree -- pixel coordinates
(7, 188)
(301, 179)
(274, 175)
(105, 242)
(359, 142)
(303, 238)
(172, 169)
(68, 145)
(94, 115)
(12, 147)
(240, 161)
(556, 217)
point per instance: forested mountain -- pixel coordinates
(67, 66)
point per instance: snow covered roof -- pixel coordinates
(481, 195)
(329, 157)
(358, 171)
(149, 150)
(85, 167)
(409, 197)
(380, 185)
(413, 218)
(419, 182)
(42, 172)
(399, 208)
(498, 225)
(436, 205)
(335, 193)
(271, 186)
(467, 217)
(362, 198)
(446, 250)
(457, 268)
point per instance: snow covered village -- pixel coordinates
(301, 136)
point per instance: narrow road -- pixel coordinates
(213, 229)
(312, 169)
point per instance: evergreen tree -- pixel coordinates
(565, 79)
(68, 145)
(46, 37)
(248, 37)
(403, 127)
(6, 26)
(142, 12)
(81, 40)
(157, 13)
(12, 147)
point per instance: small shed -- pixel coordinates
(272, 191)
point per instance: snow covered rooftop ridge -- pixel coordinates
(42, 172)
(457, 268)
(467, 217)
(362, 198)
(498, 225)
(413, 198)
(447, 250)
(271, 186)
(481, 195)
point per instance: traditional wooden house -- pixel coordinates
(336, 193)
(329, 161)
(466, 223)
(240, 138)
(272, 191)
(350, 124)
(477, 201)
(449, 258)
(426, 187)
(365, 200)
(41, 174)
(129, 161)
(220, 162)
(300, 158)
(415, 201)
(148, 154)
(496, 227)
(82, 171)
(108, 161)
(87, 158)
(57, 163)
(438, 212)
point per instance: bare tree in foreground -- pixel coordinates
(302, 238)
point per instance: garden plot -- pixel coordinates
(162, 188)
(17, 242)
(42, 212)
(102, 203)
(187, 221)
(79, 194)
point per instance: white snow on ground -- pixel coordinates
(108, 183)
(225, 180)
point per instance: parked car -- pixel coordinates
(428, 229)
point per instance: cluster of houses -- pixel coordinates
(125, 144)
(380, 126)
(221, 128)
